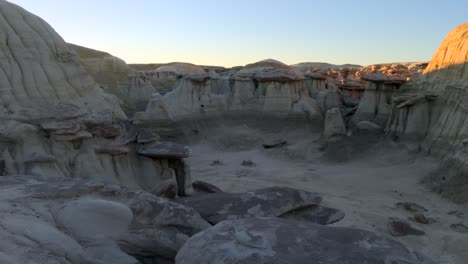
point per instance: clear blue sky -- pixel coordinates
(237, 32)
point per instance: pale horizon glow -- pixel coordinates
(231, 33)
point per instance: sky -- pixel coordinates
(231, 33)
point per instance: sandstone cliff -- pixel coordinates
(448, 65)
(430, 113)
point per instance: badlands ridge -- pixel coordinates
(105, 162)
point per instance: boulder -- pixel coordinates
(275, 241)
(274, 201)
(44, 235)
(153, 244)
(93, 218)
(62, 220)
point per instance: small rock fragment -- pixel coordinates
(399, 228)
(248, 163)
(456, 213)
(422, 219)
(204, 187)
(411, 207)
(216, 163)
(275, 144)
(460, 228)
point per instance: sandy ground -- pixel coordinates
(366, 188)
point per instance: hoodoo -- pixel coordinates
(311, 162)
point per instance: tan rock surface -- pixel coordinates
(449, 63)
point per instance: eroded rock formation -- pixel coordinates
(268, 88)
(38, 67)
(430, 112)
(78, 178)
(56, 121)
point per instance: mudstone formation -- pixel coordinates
(82, 183)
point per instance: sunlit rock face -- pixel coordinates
(352, 79)
(430, 113)
(116, 77)
(448, 65)
(57, 122)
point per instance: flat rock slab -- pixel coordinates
(269, 202)
(279, 241)
(165, 150)
(315, 214)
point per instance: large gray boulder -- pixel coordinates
(269, 202)
(277, 241)
(57, 220)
